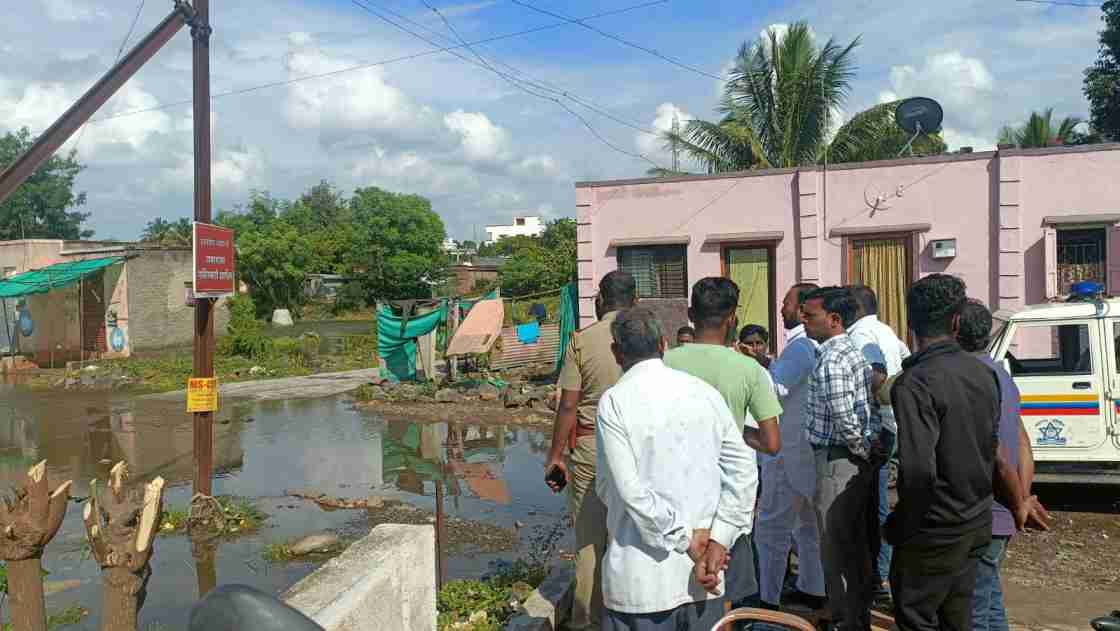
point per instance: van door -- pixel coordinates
(1058, 368)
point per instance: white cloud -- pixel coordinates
(964, 87)
(238, 169)
(781, 28)
(480, 139)
(955, 139)
(654, 146)
(72, 10)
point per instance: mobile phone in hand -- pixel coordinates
(557, 477)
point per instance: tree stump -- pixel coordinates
(29, 519)
(121, 526)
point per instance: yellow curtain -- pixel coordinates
(750, 269)
(881, 265)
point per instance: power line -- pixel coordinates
(513, 81)
(384, 62)
(539, 84)
(120, 51)
(1064, 3)
(675, 62)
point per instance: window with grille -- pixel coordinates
(1081, 256)
(660, 271)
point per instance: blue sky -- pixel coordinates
(481, 149)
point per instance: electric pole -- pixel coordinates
(204, 307)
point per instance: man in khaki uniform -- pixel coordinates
(589, 369)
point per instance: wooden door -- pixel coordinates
(93, 315)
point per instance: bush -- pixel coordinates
(246, 333)
(350, 298)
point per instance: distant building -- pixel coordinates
(450, 245)
(469, 273)
(124, 297)
(521, 226)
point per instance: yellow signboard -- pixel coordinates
(202, 395)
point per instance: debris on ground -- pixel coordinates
(1075, 554)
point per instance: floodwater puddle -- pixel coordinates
(488, 478)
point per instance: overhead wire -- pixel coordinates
(384, 62)
(1064, 3)
(540, 84)
(514, 82)
(120, 51)
(621, 40)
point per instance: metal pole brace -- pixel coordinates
(199, 31)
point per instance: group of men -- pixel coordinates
(658, 447)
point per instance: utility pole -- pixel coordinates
(204, 307)
(676, 150)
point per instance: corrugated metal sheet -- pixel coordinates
(515, 354)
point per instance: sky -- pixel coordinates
(481, 146)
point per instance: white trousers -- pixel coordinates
(785, 517)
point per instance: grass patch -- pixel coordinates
(241, 516)
(487, 604)
(173, 520)
(67, 617)
(277, 553)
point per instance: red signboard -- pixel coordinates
(214, 261)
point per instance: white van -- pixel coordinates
(1063, 357)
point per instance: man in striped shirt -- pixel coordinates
(842, 424)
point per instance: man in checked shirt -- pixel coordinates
(842, 424)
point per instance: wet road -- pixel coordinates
(492, 475)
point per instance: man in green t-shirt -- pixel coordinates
(747, 389)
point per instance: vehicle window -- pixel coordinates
(1116, 344)
(1050, 349)
(999, 327)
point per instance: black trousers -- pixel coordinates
(932, 580)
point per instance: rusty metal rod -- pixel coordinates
(57, 134)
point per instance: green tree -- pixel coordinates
(397, 244)
(44, 206)
(273, 261)
(324, 215)
(543, 263)
(162, 232)
(1102, 79)
(776, 109)
(469, 245)
(1040, 130)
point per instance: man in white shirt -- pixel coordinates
(789, 479)
(884, 351)
(679, 484)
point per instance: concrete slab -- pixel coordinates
(548, 606)
(385, 581)
(309, 387)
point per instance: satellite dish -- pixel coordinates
(919, 115)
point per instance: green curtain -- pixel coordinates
(750, 269)
(397, 350)
(569, 319)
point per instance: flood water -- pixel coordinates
(489, 474)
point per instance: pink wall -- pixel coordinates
(992, 203)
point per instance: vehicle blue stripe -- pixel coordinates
(1070, 405)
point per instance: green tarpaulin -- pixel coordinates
(397, 348)
(41, 281)
(569, 319)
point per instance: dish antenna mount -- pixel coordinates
(918, 115)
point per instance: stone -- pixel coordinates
(88, 380)
(72, 383)
(282, 317)
(514, 399)
(447, 395)
(256, 370)
(546, 607)
(488, 392)
(375, 501)
(318, 542)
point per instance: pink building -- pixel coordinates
(1018, 225)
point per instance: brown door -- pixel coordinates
(886, 266)
(93, 315)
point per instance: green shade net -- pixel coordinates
(397, 348)
(41, 281)
(569, 319)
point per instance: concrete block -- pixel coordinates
(384, 581)
(548, 606)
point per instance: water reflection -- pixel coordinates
(263, 450)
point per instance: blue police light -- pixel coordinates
(1086, 289)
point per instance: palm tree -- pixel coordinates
(1039, 131)
(777, 105)
(167, 233)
